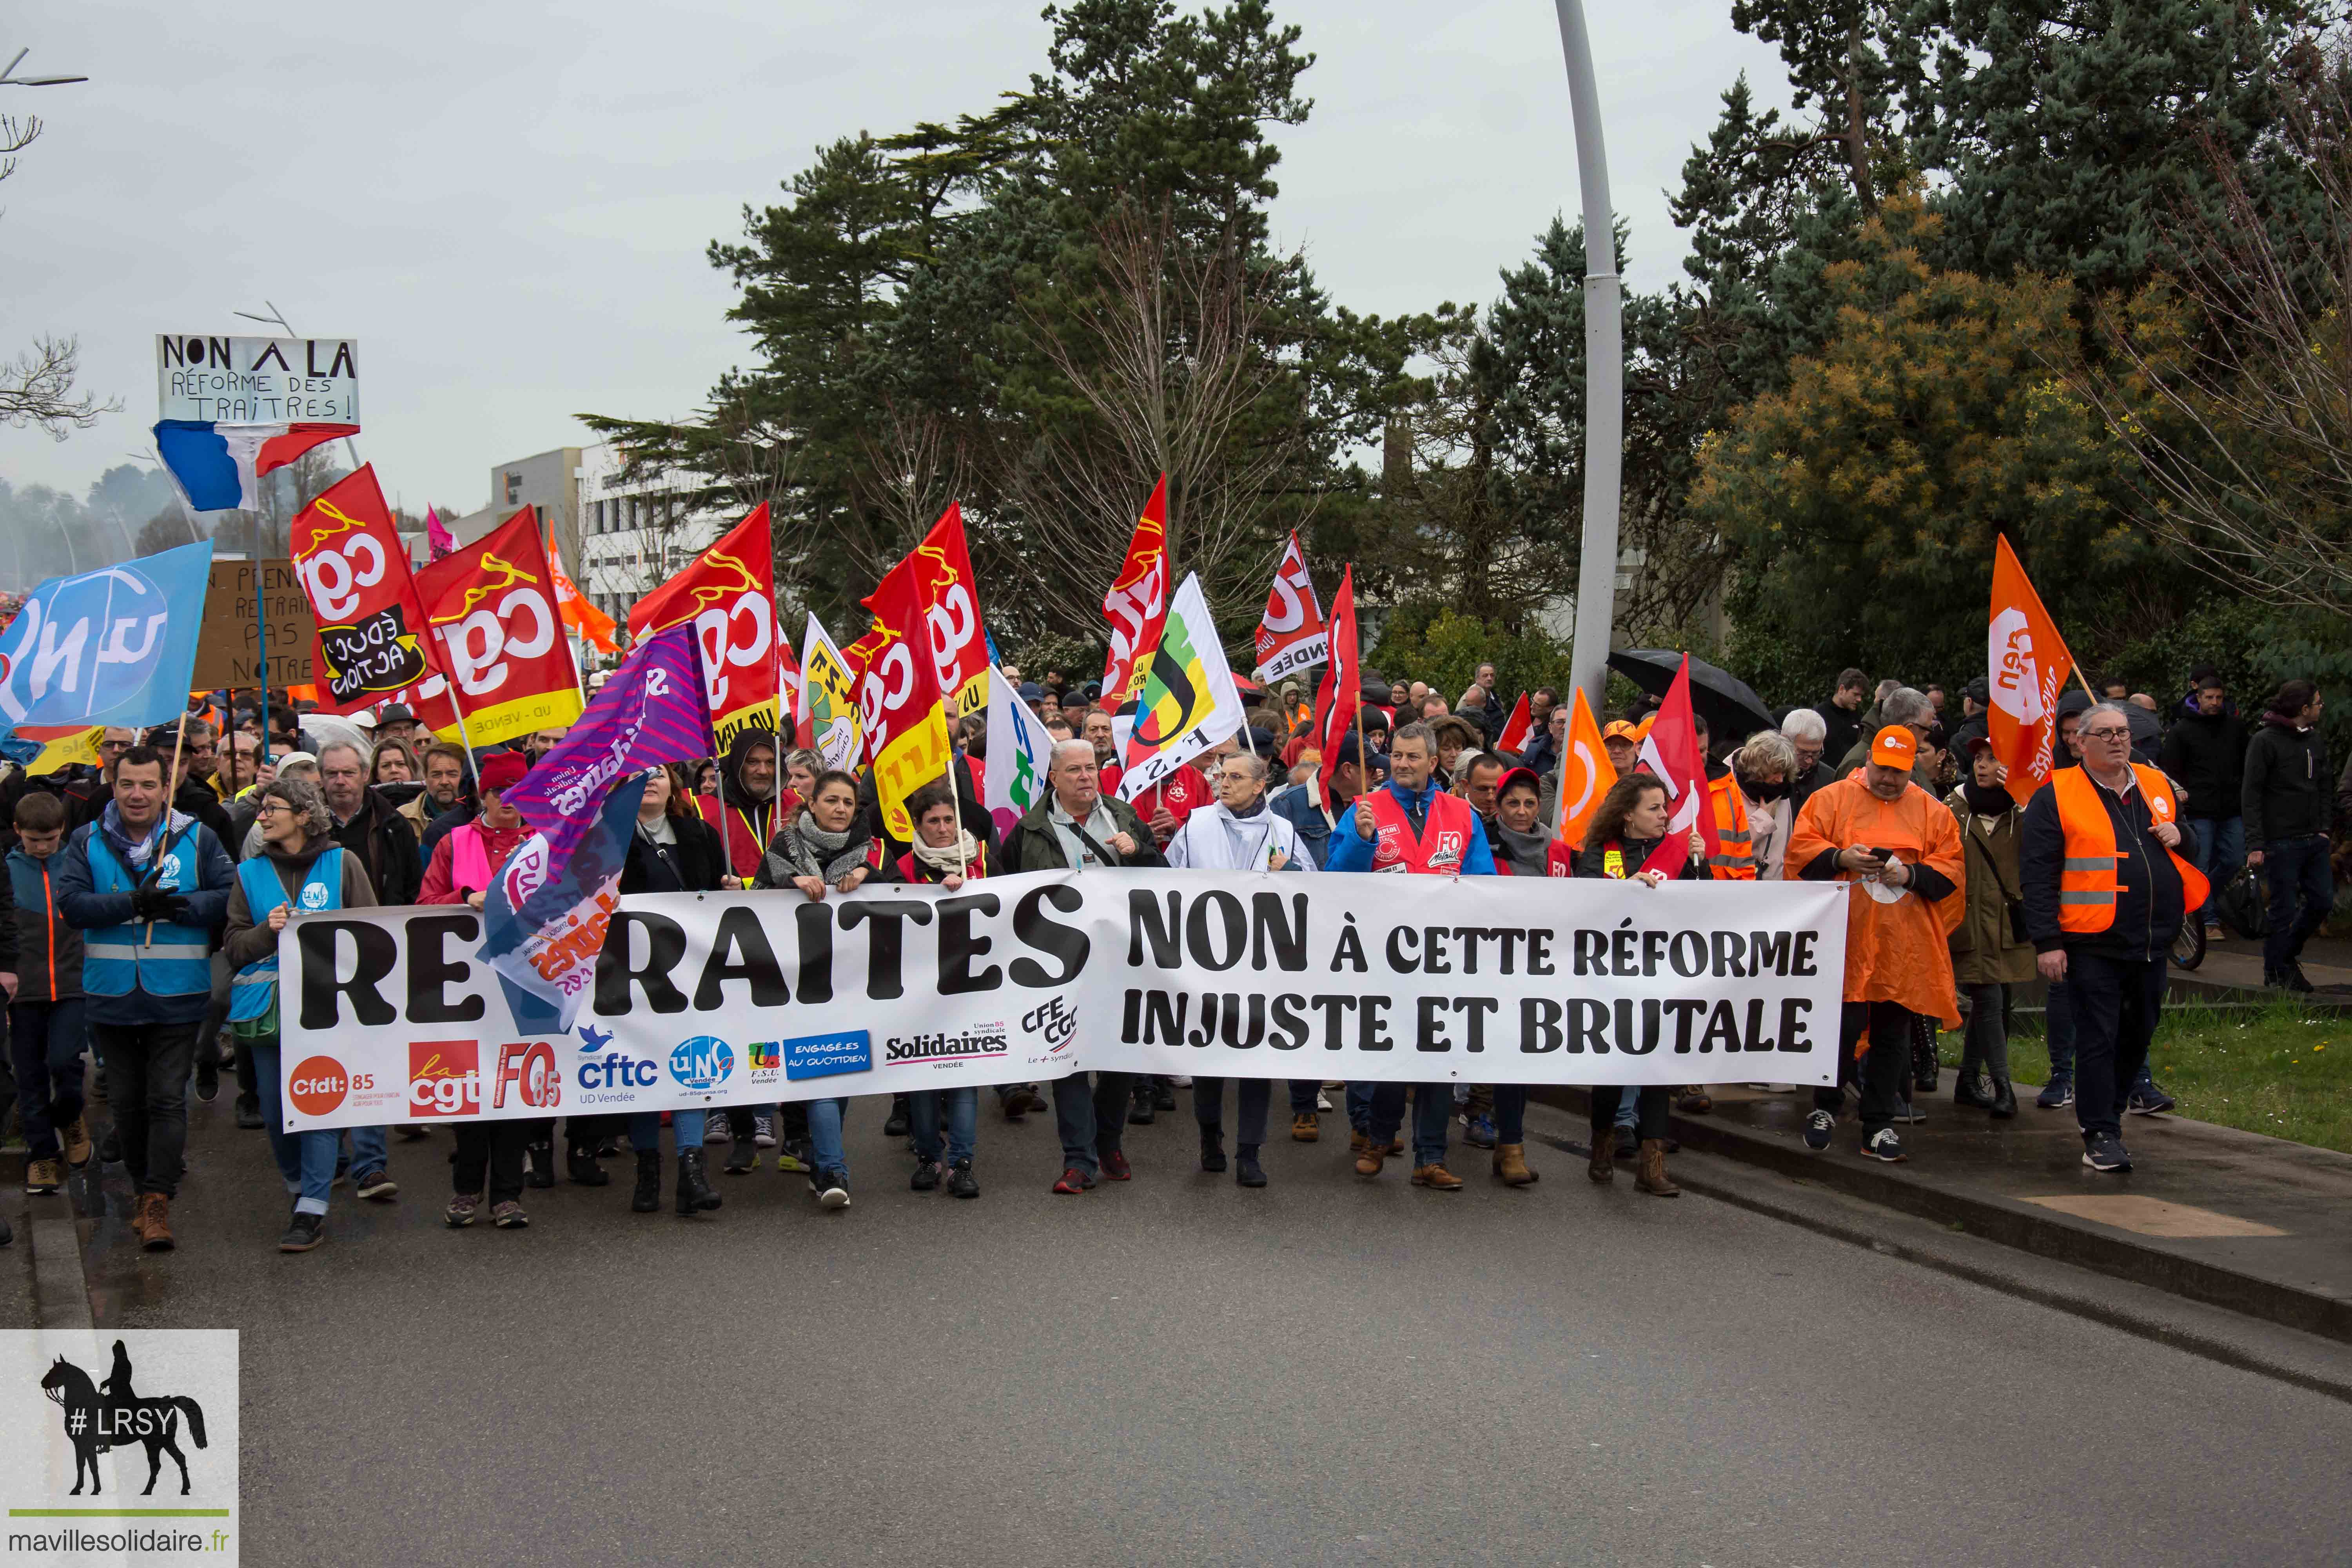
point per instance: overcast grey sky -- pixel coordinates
(508, 203)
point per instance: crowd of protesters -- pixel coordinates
(144, 893)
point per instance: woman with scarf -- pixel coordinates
(299, 861)
(1237, 833)
(1523, 845)
(1990, 951)
(1627, 829)
(824, 850)
(1761, 770)
(672, 850)
(945, 854)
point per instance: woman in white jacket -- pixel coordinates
(1237, 833)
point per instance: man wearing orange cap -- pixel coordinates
(1623, 743)
(1900, 848)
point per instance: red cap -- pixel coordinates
(1894, 747)
(501, 770)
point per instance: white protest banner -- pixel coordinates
(257, 380)
(712, 999)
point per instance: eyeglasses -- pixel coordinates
(270, 805)
(2106, 732)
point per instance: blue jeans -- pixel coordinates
(1510, 1113)
(306, 1160)
(1359, 1107)
(2303, 892)
(1091, 1120)
(963, 1117)
(1432, 1115)
(1250, 1098)
(687, 1126)
(824, 1133)
(367, 1150)
(1303, 1091)
(45, 1041)
(2221, 844)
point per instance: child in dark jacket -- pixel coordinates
(41, 950)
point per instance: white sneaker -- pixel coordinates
(763, 1131)
(1323, 1101)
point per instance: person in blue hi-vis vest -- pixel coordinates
(300, 867)
(148, 888)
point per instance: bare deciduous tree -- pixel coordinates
(37, 390)
(1168, 351)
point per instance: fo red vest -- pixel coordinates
(1443, 845)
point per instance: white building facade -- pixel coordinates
(636, 533)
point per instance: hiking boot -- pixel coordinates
(2058, 1094)
(928, 1174)
(303, 1232)
(1650, 1174)
(1819, 1126)
(2104, 1151)
(157, 1210)
(694, 1193)
(646, 1198)
(959, 1181)
(1694, 1103)
(1511, 1165)
(1973, 1090)
(1247, 1171)
(1599, 1166)
(1023, 1099)
(508, 1215)
(2004, 1099)
(580, 1164)
(462, 1210)
(1213, 1149)
(1436, 1177)
(77, 1140)
(1306, 1128)
(43, 1176)
(1369, 1156)
(1884, 1145)
(377, 1188)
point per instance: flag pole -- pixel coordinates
(170, 788)
(261, 673)
(963, 862)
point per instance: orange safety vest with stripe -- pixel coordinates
(2087, 880)
(1734, 859)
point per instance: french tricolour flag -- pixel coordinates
(217, 464)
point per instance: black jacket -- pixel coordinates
(195, 798)
(699, 860)
(2207, 757)
(2287, 784)
(385, 846)
(1845, 729)
(2149, 896)
(1035, 846)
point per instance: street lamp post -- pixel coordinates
(1604, 368)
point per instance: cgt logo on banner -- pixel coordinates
(91, 1427)
(1221, 974)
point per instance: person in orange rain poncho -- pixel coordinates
(1901, 849)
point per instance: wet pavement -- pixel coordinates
(1175, 1369)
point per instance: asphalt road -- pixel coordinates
(1177, 1370)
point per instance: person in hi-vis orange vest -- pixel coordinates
(1900, 848)
(2105, 891)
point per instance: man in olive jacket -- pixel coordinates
(1079, 828)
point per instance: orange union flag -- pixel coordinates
(1585, 774)
(2028, 665)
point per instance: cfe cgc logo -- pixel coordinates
(1052, 1023)
(80, 1414)
(702, 1063)
(445, 1079)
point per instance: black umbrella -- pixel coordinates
(1729, 705)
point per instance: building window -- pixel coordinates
(514, 489)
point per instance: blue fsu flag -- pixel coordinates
(546, 912)
(117, 646)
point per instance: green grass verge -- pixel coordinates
(2278, 1071)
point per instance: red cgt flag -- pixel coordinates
(354, 571)
(497, 634)
(1137, 605)
(949, 595)
(729, 592)
(1672, 751)
(899, 697)
(1343, 691)
(2028, 665)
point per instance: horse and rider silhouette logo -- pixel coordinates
(113, 1416)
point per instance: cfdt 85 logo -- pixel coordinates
(703, 1062)
(445, 1079)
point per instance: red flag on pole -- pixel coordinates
(2028, 664)
(1517, 728)
(949, 595)
(729, 592)
(1291, 637)
(1342, 694)
(1137, 605)
(355, 572)
(1672, 751)
(899, 696)
(492, 609)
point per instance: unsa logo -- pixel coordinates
(168, 873)
(314, 896)
(702, 1062)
